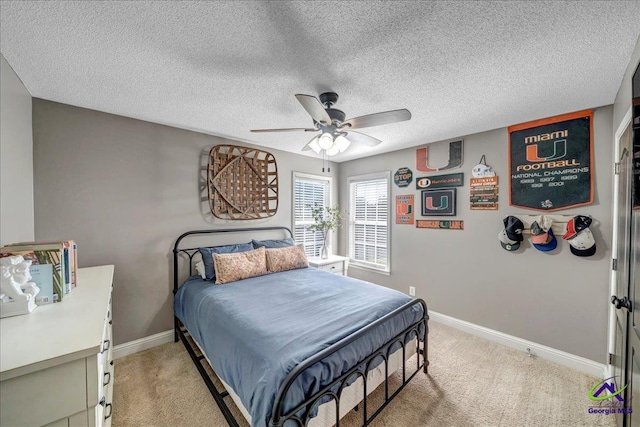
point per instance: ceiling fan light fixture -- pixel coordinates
(333, 150)
(342, 143)
(325, 141)
(313, 144)
(336, 133)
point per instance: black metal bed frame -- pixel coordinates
(418, 331)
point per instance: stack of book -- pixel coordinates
(54, 267)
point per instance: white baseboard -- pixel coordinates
(145, 343)
(563, 358)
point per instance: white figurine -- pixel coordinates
(17, 293)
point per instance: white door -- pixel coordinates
(621, 299)
(632, 400)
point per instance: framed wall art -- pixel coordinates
(441, 202)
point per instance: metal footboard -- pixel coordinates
(333, 390)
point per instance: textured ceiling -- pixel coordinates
(226, 67)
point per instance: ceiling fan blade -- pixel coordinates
(284, 130)
(314, 108)
(361, 138)
(376, 119)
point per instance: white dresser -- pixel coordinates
(56, 366)
(335, 264)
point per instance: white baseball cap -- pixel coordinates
(583, 244)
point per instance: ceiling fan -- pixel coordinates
(336, 133)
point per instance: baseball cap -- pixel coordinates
(575, 225)
(511, 235)
(540, 230)
(513, 228)
(506, 242)
(549, 244)
(583, 244)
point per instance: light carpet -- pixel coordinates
(471, 382)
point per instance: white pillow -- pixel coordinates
(200, 269)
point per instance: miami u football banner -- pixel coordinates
(551, 162)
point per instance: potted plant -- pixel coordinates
(326, 219)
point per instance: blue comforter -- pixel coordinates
(255, 331)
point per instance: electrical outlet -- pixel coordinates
(412, 291)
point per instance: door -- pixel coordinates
(633, 347)
(621, 298)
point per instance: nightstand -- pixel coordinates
(335, 264)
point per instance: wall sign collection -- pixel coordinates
(437, 192)
(550, 169)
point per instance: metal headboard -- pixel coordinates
(190, 252)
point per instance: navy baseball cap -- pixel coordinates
(576, 225)
(513, 227)
(511, 235)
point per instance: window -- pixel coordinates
(308, 190)
(369, 221)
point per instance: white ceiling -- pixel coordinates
(223, 68)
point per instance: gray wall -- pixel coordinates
(558, 299)
(16, 158)
(125, 189)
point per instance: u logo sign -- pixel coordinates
(559, 151)
(455, 158)
(403, 209)
(444, 203)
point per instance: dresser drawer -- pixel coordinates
(39, 397)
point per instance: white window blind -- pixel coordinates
(308, 191)
(369, 222)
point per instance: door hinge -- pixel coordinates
(614, 264)
(610, 359)
(616, 168)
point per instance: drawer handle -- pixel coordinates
(111, 363)
(105, 345)
(103, 401)
(108, 380)
(111, 322)
(333, 268)
(108, 405)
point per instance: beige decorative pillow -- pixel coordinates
(289, 258)
(241, 265)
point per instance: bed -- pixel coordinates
(298, 347)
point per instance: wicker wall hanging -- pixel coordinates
(242, 183)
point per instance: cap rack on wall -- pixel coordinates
(559, 222)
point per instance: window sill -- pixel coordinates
(365, 268)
